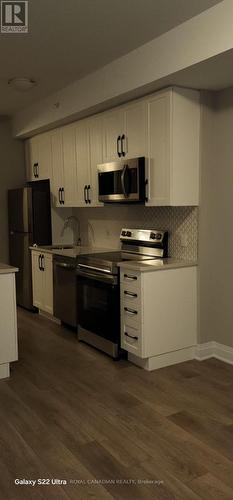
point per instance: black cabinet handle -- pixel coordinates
(118, 146)
(122, 145)
(62, 196)
(130, 277)
(131, 336)
(88, 193)
(59, 195)
(85, 193)
(36, 169)
(130, 311)
(40, 262)
(131, 294)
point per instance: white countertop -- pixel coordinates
(5, 269)
(156, 264)
(135, 265)
(71, 252)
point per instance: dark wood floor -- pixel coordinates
(70, 412)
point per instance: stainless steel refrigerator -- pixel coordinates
(29, 215)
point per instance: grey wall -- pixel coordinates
(12, 175)
(216, 220)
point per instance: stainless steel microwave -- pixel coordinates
(122, 181)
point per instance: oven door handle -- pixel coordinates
(103, 278)
(93, 268)
(64, 265)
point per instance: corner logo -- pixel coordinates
(14, 16)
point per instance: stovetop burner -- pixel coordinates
(136, 245)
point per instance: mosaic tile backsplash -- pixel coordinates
(100, 227)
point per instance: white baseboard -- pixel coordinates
(199, 352)
(162, 360)
(214, 350)
(49, 316)
(204, 351)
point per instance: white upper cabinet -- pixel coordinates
(89, 152)
(83, 163)
(163, 127)
(32, 158)
(96, 157)
(57, 179)
(70, 188)
(125, 132)
(173, 147)
(38, 156)
(76, 150)
(134, 144)
(113, 130)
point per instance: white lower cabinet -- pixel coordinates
(158, 311)
(42, 281)
(8, 323)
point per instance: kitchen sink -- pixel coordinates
(62, 247)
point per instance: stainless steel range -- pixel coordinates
(98, 296)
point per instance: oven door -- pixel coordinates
(122, 181)
(98, 300)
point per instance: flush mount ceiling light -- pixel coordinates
(22, 84)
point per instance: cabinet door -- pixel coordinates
(83, 162)
(57, 178)
(8, 324)
(44, 156)
(96, 157)
(70, 166)
(135, 130)
(113, 127)
(159, 149)
(37, 281)
(47, 283)
(32, 158)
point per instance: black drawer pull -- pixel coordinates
(131, 336)
(130, 277)
(130, 294)
(130, 311)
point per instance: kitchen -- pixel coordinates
(130, 281)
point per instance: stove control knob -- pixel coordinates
(155, 236)
(128, 233)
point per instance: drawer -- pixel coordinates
(131, 278)
(131, 297)
(131, 316)
(131, 340)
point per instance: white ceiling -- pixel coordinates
(71, 38)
